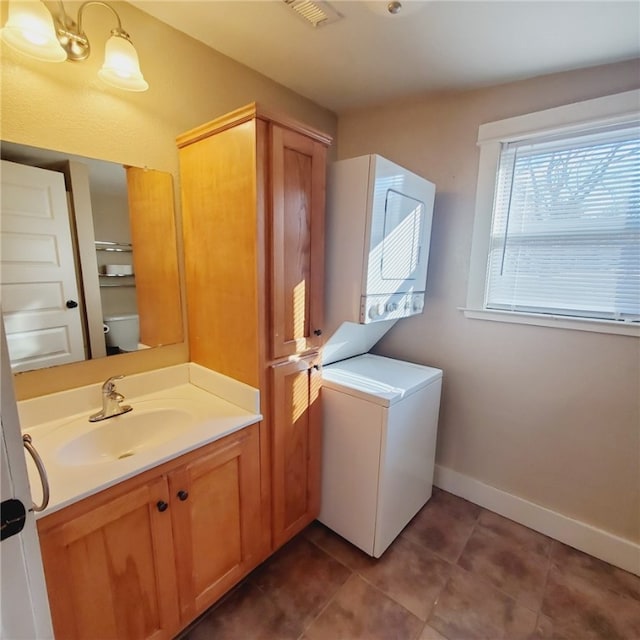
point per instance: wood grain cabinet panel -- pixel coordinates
(110, 570)
(296, 446)
(222, 251)
(297, 241)
(216, 516)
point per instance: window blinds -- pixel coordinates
(565, 237)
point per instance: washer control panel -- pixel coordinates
(390, 306)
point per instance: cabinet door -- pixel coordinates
(296, 446)
(298, 174)
(110, 570)
(216, 519)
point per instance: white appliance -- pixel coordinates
(380, 415)
(377, 246)
(379, 438)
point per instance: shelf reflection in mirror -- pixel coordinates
(89, 263)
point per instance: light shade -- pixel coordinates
(30, 30)
(121, 68)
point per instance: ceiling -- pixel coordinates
(370, 56)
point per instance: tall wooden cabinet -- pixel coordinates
(253, 197)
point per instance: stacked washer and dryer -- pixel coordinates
(380, 414)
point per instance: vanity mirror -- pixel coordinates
(89, 263)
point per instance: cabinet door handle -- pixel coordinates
(182, 495)
(162, 505)
(317, 332)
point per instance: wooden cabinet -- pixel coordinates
(110, 568)
(144, 558)
(297, 242)
(216, 521)
(253, 198)
(296, 447)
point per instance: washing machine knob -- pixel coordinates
(391, 307)
(376, 311)
(418, 304)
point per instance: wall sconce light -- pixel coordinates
(50, 37)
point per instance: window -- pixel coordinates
(557, 231)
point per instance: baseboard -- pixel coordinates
(596, 542)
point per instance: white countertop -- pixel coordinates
(205, 394)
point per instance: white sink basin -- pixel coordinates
(124, 436)
(176, 410)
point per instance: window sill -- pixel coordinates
(559, 322)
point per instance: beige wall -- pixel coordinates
(549, 415)
(66, 107)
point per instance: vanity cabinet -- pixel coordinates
(109, 566)
(253, 198)
(215, 513)
(143, 558)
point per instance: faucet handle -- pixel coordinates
(109, 386)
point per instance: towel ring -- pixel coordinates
(28, 445)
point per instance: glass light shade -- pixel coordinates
(30, 30)
(121, 68)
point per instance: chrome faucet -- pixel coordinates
(111, 400)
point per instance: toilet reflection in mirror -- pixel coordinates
(122, 333)
(89, 258)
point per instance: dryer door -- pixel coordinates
(404, 219)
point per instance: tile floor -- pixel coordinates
(457, 571)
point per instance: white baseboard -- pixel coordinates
(596, 542)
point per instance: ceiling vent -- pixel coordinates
(316, 12)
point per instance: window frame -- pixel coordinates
(607, 110)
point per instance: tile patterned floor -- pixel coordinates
(457, 572)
